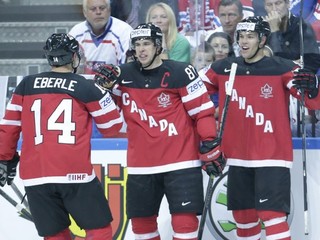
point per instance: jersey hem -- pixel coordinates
(259, 163)
(164, 168)
(69, 178)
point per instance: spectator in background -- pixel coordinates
(147, 4)
(134, 11)
(230, 13)
(284, 39)
(103, 38)
(203, 56)
(175, 46)
(310, 9)
(248, 9)
(222, 45)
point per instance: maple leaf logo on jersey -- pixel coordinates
(266, 91)
(164, 100)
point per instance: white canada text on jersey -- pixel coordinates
(162, 124)
(249, 112)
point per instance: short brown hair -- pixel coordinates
(225, 3)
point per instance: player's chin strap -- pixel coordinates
(154, 57)
(256, 50)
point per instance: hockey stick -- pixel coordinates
(21, 210)
(210, 189)
(20, 195)
(303, 128)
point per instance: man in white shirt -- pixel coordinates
(103, 39)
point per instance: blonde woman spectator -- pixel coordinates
(175, 46)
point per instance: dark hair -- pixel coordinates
(231, 2)
(225, 36)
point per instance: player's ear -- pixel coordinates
(262, 41)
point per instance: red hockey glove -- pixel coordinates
(306, 80)
(213, 161)
(8, 170)
(107, 75)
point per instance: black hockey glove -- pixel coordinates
(8, 170)
(107, 75)
(213, 161)
(306, 80)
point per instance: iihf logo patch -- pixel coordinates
(266, 91)
(164, 100)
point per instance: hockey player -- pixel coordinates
(54, 111)
(257, 138)
(168, 111)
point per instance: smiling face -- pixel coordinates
(251, 48)
(97, 13)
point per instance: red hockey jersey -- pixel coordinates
(54, 112)
(167, 111)
(257, 131)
